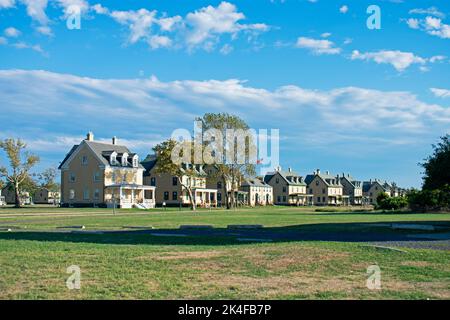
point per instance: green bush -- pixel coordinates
(430, 200)
(391, 203)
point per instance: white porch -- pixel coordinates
(130, 196)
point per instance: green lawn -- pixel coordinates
(35, 255)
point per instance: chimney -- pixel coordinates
(318, 171)
(114, 140)
(290, 169)
(90, 136)
(327, 172)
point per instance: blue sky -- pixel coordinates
(345, 98)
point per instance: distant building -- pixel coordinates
(326, 189)
(170, 192)
(103, 174)
(259, 192)
(352, 188)
(373, 188)
(9, 196)
(45, 196)
(288, 187)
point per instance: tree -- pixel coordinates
(47, 179)
(20, 163)
(437, 166)
(165, 164)
(229, 172)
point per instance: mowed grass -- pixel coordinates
(33, 261)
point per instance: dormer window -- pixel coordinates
(135, 161)
(113, 159)
(125, 159)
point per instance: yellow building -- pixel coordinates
(326, 189)
(103, 174)
(169, 190)
(288, 187)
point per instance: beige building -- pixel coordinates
(213, 182)
(326, 189)
(288, 188)
(9, 196)
(104, 174)
(373, 188)
(352, 189)
(259, 193)
(45, 196)
(170, 192)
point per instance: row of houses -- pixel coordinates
(108, 174)
(40, 196)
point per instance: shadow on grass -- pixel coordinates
(339, 232)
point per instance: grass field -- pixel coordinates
(135, 264)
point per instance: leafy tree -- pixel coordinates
(437, 166)
(47, 179)
(165, 164)
(230, 173)
(20, 163)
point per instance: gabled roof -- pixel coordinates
(329, 179)
(289, 176)
(150, 162)
(355, 183)
(368, 184)
(102, 151)
(254, 183)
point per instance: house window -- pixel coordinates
(86, 194)
(318, 199)
(219, 196)
(174, 195)
(317, 182)
(323, 191)
(284, 189)
(71, 194)
(166, 195)
(97, 176)
(135, 162)
(284, 198)
(323, 199)
(96, 194)
(174, 181)
(84, 160)
(219, 185)
(278, 199)
(310, 191)
(153, 181)
(277, 180)
(72, 177)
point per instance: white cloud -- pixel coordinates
(398, 59)
(343, 9)
(3, 41)
(157, 42)
(430, 11)
(139, 22)
(12, 32)
(325, 35)
(49, 99)
(226, 49)
(202, 28)
(169, 23)
(441, 93)
(208, 23)
(6, 4)
(36, 10)
(24, 45)
(413, 23)
(431, 25)
(99, 9)
(317, 46)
